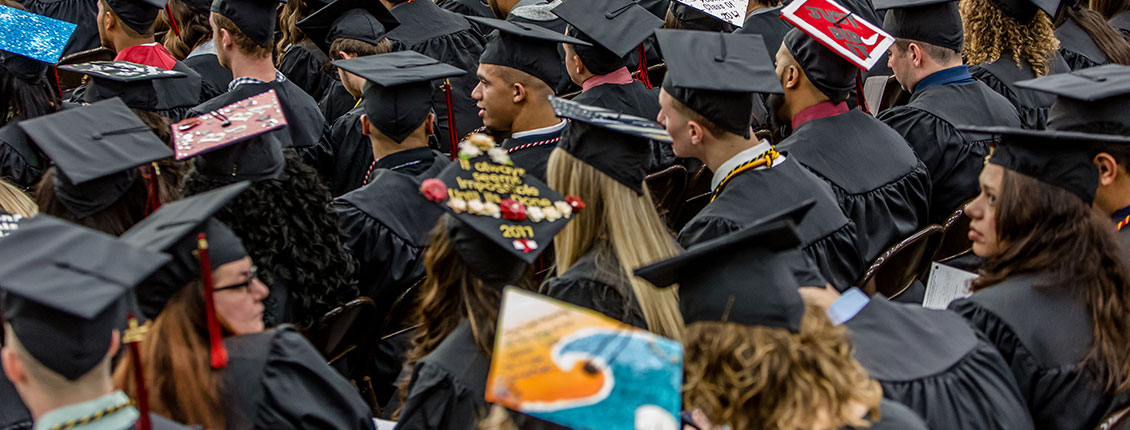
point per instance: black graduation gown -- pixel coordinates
(336, 102)
(1121, 22)
(829, 237)
(21, 162)
(767, 22)
(532, 152)
(209, 68)
(277, 380)
(895, 416)
(878, 181)
(1043, 334)
(304, 64)
(467, 7)
(933, 362)
(352, 152)
(953, 158)
(1078, 48)
(633, 99)
(1001, 75)
(304, 120)
(450, 38)
(596, 281)
(387, 227)
(448, 386)
(83, 13)
(13, 414)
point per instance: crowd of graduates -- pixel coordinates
(180, 225)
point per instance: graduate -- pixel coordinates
(243, 43)
(765, 19)
(603, 158)
(878, 181)
(1008, 41)
(355, 28)
(27, 94)
(13, 414)
(299, 58)
(926, 59)
(193, 44)
(516, 74)
(1085, 38)
(1052, 290)
(60, 340)
(706, 111)
(754, 348)
(96, 150)
(472, 256)
(617, 30)
(384, 222)
(449, 38)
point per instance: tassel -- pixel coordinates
(451, 120)
(172, 21)
(642, 73)
(153, 199)
(133, 337)
(860, 97)
(58, 84)
(218, 353)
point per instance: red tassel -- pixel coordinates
(133, 337)
(219, 354)
(451, 120)
(172, 21)
(153, 199)
(860, 97)
(642, 73)
(58, 84)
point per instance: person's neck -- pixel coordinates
(932, 68)
(534, 116)
(1113, 198)
(40, 403)
(753, 7)
(721, 150)
(798, 101)
(123, 42)
(258, 68)
(383, 147)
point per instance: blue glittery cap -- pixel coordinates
(34, 36)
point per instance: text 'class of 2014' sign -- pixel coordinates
(852, 37)
(230, 124)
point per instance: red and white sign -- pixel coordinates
(858, 41)
(731, 11)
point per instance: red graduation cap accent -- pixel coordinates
(219, 355)
(133, 337)
(450, 119)
(227, 125)
(837, 28)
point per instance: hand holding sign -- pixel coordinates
(837, 28)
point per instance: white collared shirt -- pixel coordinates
(544, 130)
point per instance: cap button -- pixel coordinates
(96, 136)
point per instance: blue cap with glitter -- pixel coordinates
(25, 35)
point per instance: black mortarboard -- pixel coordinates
(398, 97)
(364, 20)
(936, 22)
(30, 42)
(1093, 100)
(616, 28)
(62, 287)
(1025, 10)
(255, 18)
(501, 218)
(96, 149)
(717, 74)
(139, 86)
(697, 20)
(614, 143)
(525, 47)
(1058, 158)
(171, 229)
(743, 277)
(828, 71)
(137, 14)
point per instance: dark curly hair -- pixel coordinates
(292, 236)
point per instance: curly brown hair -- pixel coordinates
(754, 377)
(989, 33)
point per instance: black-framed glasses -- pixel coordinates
(244, 285)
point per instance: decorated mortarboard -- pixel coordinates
(716, 74)
(30, 42)
(366, 21)
(828, 40)
(96, 149)
(725, 15)
(528, 48)
(63, 285)
(252, 17)
(744, 277)
(936, 22)
(139, 86)
(121, 71)
(1058, 158)
(614, 143)
(615, 27)
(1093, 100)
(398, 97)
(501, 218)
(137, 14)
(9, 222)
(235, 141)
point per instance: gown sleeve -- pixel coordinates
(437, 401)
(19, 163)
(894, 416)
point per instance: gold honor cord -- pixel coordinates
(766, 159)
(92, 417)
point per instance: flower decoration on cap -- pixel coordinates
(434, 189)
(478, 144)
(513, 209)
(575, 202)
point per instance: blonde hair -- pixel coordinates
(292, 12)
(15, 201)
(989, 33)
(755, 377)
(630, 225)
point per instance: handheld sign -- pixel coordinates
(731, 11)
(227, 125)
(840, 30)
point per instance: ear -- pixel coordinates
(225, 38)
(791, 77)
(580, 68)
(696, 131)
(365, 125)
(344, 56)
(1108, 169)
(430, 124)
(915, 53)
(109, 21)
(519, 92)
(12, 365)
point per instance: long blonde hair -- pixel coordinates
(629, 223)
(15, 201)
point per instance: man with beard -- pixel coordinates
(707, 111)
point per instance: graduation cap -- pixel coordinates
(936, 22)
(501, 218)
(96, 149)
(828, 71)
(255, 18)
(743, 277)
(1024, 10)
(697, 20)
(363, 20)
(526, 47)
(137, 14)
(1093, 100)
(716, 74)
(139, 86)
(616, 144)
(235, 141)
(615, 27)
(398, 97)
(1058, 158)
(9, 222)
(63, 284)
(30, 42)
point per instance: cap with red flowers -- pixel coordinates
(499, 208)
